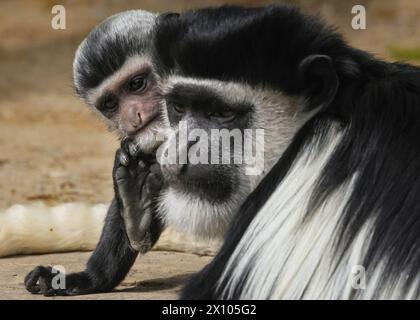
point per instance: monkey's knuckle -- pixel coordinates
(124, 159)
(133, 149)
(121, 174)
(142, 165)
(155, 181)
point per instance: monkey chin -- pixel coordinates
(189, 213)
(149, 138)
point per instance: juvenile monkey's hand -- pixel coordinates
(137, 182)
(41, 281)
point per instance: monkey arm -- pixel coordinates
(113, 256)
(107, 266)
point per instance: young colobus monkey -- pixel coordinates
(114, 73)
(338, 216)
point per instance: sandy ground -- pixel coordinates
(54, 149)
(157, 275)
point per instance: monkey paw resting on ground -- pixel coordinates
(138, 181)
(133, 222)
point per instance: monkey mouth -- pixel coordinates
(147, 138)
(203, 189)
(145, 126)
(207, 186)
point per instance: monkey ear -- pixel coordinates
(319, 80)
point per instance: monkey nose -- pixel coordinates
(137, 121)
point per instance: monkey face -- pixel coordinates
(224, 137)
(114, 73)
(131, 104)
(129, 101)
(208, 139)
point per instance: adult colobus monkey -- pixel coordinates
(345, 194)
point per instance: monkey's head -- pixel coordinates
(226, 135)
(114, 73)
(237, 69)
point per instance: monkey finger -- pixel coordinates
(144, 226)
(155, 168)
(151, 189)
(31, 282)
(149, 158)
(39, 280)
(125, 185)
(125, 144)
(122, 174)
(133, 148)
(142, 165)
(138, 224)
(124, 158)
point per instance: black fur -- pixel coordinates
(377, 102)
(107, 266)
(103, 53)
(138, 184)
(113, 256)
(254, 45)
(197, 107)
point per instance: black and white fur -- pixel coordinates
(115, 48)
(207, 209)
(346, 190)
(112, 50)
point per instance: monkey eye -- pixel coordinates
(178, 109)
(225, 116)
(109, 104)
(137, 84)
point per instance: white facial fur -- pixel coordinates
(130, 67)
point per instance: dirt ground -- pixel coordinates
(54, 149)
(157, 275)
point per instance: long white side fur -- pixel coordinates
(289, 258)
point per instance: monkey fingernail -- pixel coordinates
(124, 159)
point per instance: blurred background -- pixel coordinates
(54, 149)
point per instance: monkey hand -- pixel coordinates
(137, 182)
(50, 282)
